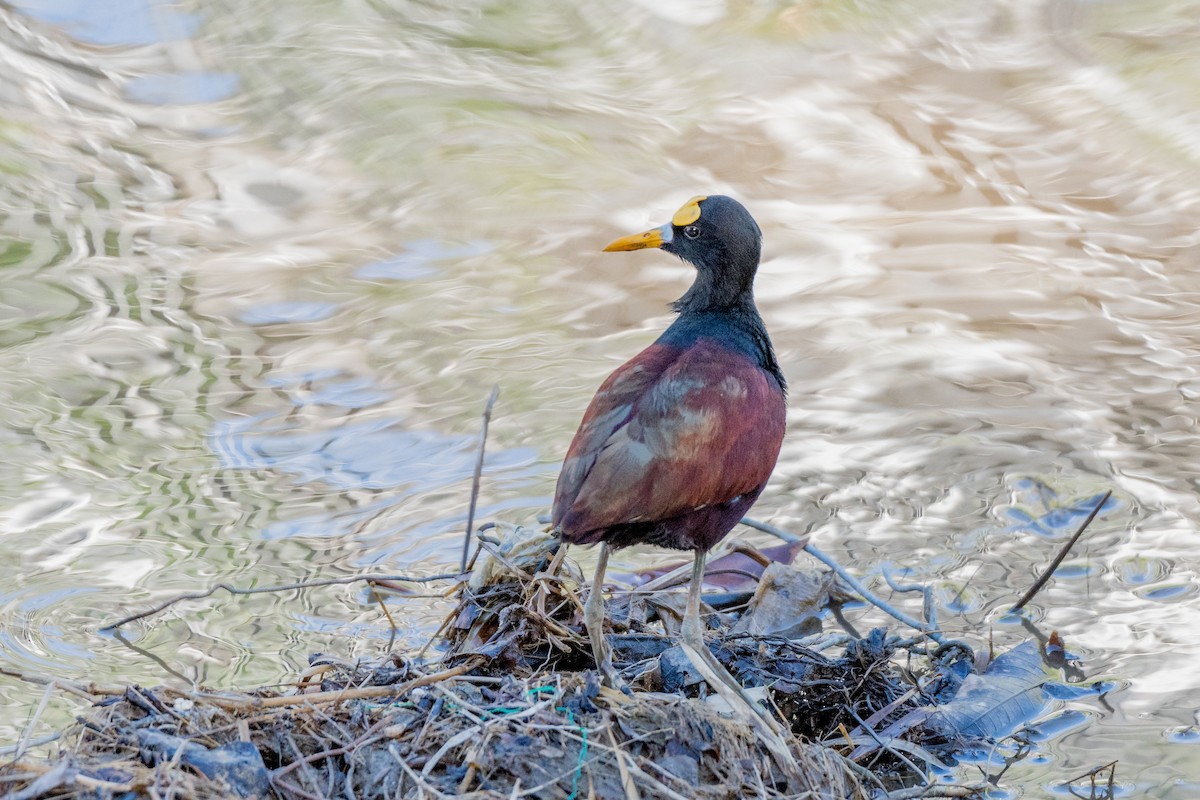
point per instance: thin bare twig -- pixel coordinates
(1058, 559)
(332, 696)
(487, 418)
(55, 773)
(923, 792)
(284, 587)
(881, 744)
(119, 635)
(27, 734)
(9, 749)
(87, 691)
(627, 784)
(383, 607)
(1093, 772)
(422, 786)
(929, 609)
(466, 734)
(294, 789)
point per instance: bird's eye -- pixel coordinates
(691, 231)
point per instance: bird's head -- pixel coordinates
(717, 235)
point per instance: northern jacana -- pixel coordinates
(678, 443)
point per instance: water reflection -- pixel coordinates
(420, 260)
(182, 87)
(115, 22)
(373, 455)
(261, 266)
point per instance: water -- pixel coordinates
(262, 263)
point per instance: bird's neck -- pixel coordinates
(737, 327)
(708, 293)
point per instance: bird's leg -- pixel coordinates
(724, 684)
(593, 618)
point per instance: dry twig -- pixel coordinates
(487, 418)
(338, 695)
(1058, 559)
(284, 587)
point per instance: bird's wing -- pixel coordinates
(704, 430)
(610, 410)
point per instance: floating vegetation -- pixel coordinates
(504, 702)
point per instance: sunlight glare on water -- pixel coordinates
(262, 263)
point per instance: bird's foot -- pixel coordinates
(608, 674)
(611, 678)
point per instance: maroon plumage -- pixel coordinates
(679, 442)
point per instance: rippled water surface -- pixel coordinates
(261, 263)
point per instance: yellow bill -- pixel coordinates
(655, 237)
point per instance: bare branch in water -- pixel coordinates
(487, 418)
(1058, 559)
(284, 587)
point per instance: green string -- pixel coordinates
(583, 733)
(514, 709)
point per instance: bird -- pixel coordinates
(679, 442)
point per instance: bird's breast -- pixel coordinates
(691, 428)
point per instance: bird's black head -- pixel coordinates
(717, 235)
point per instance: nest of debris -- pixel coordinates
(506, 704)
